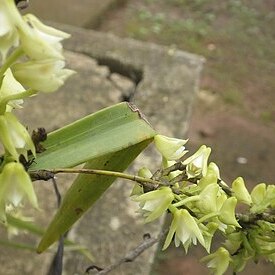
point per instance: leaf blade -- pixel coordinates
(109, 130)
(85, 191)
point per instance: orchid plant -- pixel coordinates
(188, 188)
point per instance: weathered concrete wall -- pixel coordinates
(84, 13)
(164, 82)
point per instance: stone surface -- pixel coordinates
(162, 82)
(84, 13)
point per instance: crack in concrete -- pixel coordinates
(116, 66)
(128, 71)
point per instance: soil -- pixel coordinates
(239, 127)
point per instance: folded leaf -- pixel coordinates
(108, 140)
(86, 190)
(108, 130)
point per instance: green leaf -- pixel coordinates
(101, 133)
(86, 190)
(108, 140)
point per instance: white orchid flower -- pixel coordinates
(14, 136)
(219, 261)
(40, 41)
(45, 75)
(197, 163)
(185, 229)
(10, 86)
(155, 203)
(9, 19)
(15, 185)
(170, 148)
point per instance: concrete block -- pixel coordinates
(84, 13)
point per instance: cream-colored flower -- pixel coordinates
(262, 197)
(240, 191)
(40, 41)
(208, 199)
(227, 212)
(9, 18)
(14, 136)
(11, 86)
(212, 176)
(15, 185)
(258, 193)
(218, 262)
(155, 203)
(185, 229)
(196, 164)
(45, 75)
(170, 148)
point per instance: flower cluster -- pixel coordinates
(31, 61)
(201, 204)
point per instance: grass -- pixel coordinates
(236, 37)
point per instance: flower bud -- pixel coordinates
(240, 192)
(145, 173)
(212, 176)
(138, 189)
(208, 199)
(258, 193)
(234, 241)
(170, 148)
(270, 191)
(262, 197)
(227, 212)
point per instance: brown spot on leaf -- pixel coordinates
(78, 211)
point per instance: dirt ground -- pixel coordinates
(238, 124)
(234, 113)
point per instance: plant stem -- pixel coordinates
(189, 199)
(8, 98)
(208, 216)
(9, 61)
(97, 172)
(172, 208)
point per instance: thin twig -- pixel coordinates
(172, 168)
(131, 255)
(252, 218)
(165, 172)
(225, 188)
(49, 173)
(57, 263)
(57, 193)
